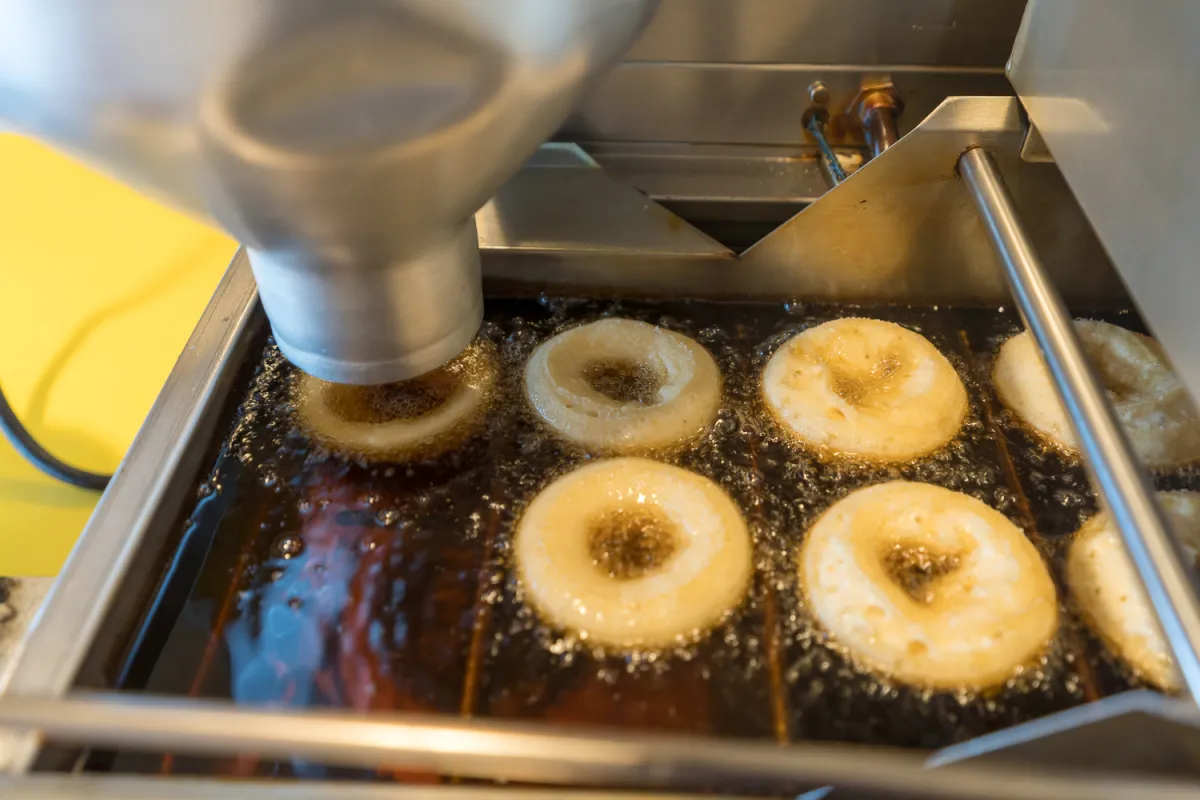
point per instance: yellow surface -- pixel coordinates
(99, 290)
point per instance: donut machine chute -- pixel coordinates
(254, 601)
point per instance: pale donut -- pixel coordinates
(1109, 594)
(679, 383)
(414, 419)
(631, 553)
(1149, 399)
(865, 388)
(985, 606)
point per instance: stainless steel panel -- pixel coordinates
(902, 227)
(535, 753)
(968, 33)
(719, 103)
(1136, 731)
(583, 211)
(1108, 83)
(54, 787)
(727, 174)
(899, 229)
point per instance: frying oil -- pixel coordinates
(334, 581)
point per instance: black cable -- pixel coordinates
(41, 458)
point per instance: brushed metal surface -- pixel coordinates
(345, 143)
(582, 212)
(727, 174)
(1109, 85)
(729, 103)
(929, 32)
(533, 753)
(901, 226)
(102, 787)
(1138, 731)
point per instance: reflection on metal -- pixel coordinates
(533, 753)
(718, 71)
(719, 103)
(1033, 148)
(898, 229)
(1108, 85)
(870, 32)
(1117, 474)
(735, 175)
(901, 227)
(832, 167)
(878, 109)
(581, 210)
(97, 787)
(1137, 731)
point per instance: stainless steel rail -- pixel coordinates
(97, 787)
(527, 752)
(1116, 472)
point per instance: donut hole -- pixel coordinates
(916, 568)
(628, 382)
(630, 544)
(375, 405)
(858, 386)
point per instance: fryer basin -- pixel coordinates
(205, 384)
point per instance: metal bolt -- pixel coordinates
(818, 92)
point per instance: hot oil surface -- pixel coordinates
(333, 582)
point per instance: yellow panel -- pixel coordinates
(99, 291)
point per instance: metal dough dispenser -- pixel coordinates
(346, 143)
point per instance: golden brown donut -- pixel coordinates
(930, 586)
(1150, 400)
(865, 388)
(1109, 593)
(629, 553)
(414, 419)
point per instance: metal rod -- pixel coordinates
(816, 126)
(533, 753)
(127, 787)
(1115, 470)
(879, 128)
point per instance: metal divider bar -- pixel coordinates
(1115, 470)
(532, 753)
(97, 787)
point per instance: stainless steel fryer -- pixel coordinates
(928, 220)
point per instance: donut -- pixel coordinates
(632, 553)
(619, 386)
(419, 418)
(1106, 588)
(929, 586)
(1150, 400)
(865, 388)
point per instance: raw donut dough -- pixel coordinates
(663, 389)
